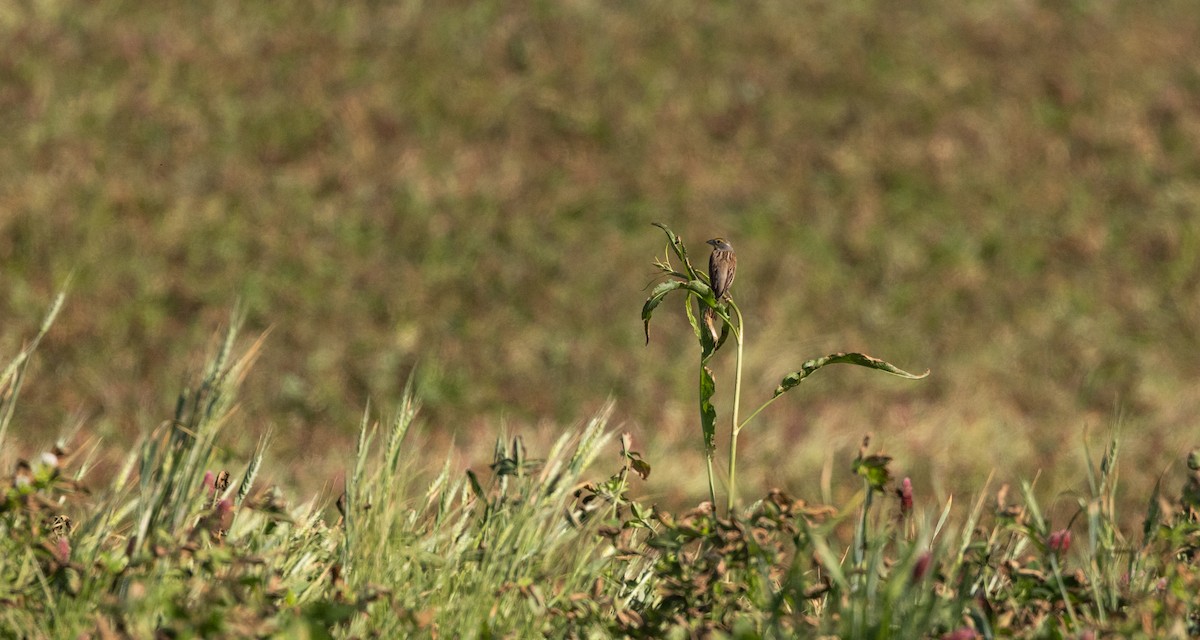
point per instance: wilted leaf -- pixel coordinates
(860, 359)
(641, 467)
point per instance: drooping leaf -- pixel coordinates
(656, 297)
(860, 359)
(640, 467)
(659, 293)
(708, 413)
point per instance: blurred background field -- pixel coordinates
(1005, 193)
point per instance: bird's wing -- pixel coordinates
(720, 270)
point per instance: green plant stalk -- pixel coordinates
(1062, 590)
(708, 451)
(712, 487)
(859, 598)
(739, 335)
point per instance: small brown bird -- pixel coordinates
(722, 265)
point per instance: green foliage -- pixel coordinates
(689, 280)
(535, 547)
(873, 469)
(175, 550)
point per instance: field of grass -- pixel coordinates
(461, 194)
(177, 546)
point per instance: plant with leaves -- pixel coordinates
(696, 285)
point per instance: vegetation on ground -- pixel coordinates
(178, 546)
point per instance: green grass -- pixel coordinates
(557, 546)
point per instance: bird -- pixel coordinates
(722, 265)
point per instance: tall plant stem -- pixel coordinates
(740, 335)
(712, 487)
(710, 449)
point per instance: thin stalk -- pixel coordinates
(739, 335)
(859, 598)
(712, 488)
(1062, 589)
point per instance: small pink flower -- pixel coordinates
(906, 496)
(209, 479)
(62, 551)
(961, 633)
(1059, 542)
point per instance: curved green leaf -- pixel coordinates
(660, 292)
(656, 298)
(794, 378)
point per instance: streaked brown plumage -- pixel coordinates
(722, 265)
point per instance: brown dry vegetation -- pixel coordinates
(1006, 193)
